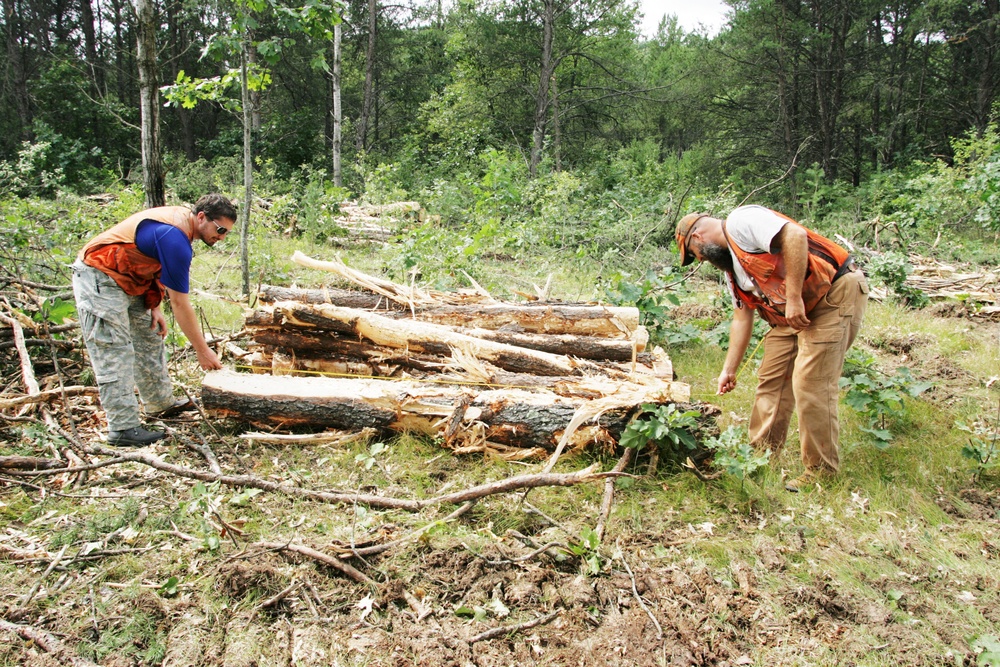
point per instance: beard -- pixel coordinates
(717, 255)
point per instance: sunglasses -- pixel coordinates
(220, 230)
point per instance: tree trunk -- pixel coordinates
(620, 322)
(149, 94)
(247, 165)
(90, 44)
(464, 417)
(368, 93)
(179, 45)
(17, 72)
(544, 80)
(428, 338)
(338, 116)
(584, 347)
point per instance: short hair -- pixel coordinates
(215, 206)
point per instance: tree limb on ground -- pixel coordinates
(511, 629)
(337, 564)
(47, 395)
(47, 643)
(529, 481)
(27, 372)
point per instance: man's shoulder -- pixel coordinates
(754, 214)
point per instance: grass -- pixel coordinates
(884, 553)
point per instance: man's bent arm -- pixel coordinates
(793, 244)
(740, 332)
(180, 303)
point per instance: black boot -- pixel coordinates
(136, 436)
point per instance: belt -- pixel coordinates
(845, 268)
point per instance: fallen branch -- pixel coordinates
(47, 643)
(527, 556)
(27, 372)
(29, 463)
(329, 437)
(511, 629)
(59, 471)
(609, 492)
(47, 395)
(587, 474)
(638, 598)
(203, 449)
(38, 342)
(386, 546)
(337, 564)
(279, 596)
(38, 583)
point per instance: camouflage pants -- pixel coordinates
(124, 351)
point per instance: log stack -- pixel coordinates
(516, 379)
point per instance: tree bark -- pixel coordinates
(584, 347)
(338, 114)
(620, 322)
(510, 417)
(428, 338)
(149, 94)
(368, 93)
(17, 76)
(246, 60)
(545, 77)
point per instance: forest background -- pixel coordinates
(540, 138)
(491, 114)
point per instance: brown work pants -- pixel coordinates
(802, 370)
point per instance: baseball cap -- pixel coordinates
(683, 229)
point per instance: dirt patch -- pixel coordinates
(259, 577)
(898, 343)
(695, 311)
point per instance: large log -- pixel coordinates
(465, 418)
(584, 347)
(426, 337)
(577, 319)
(338, 297)
(543, 318)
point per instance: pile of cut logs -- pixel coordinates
(515, 379)
(366, 223)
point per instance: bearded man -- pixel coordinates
(813, 295)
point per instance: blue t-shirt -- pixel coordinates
(171, 247)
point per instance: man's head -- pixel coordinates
(215, 216)
(683, 233)
(700, 236)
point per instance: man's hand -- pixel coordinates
(159, 323)
(795, 313)
(208, 360)
(727, 382)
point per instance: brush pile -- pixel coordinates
(514, 379)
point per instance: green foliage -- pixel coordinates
(987, 650)
(369, 457)
(653, 297)
(880, 398)
(983, 446)
(587, 547)
(891, 270)
(50, 164)
(670, 428)
(979, 157)
(204, 506)
(734, 454)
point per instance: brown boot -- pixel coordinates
(809, 477)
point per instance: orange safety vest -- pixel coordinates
(767, 271)
(114, 252)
